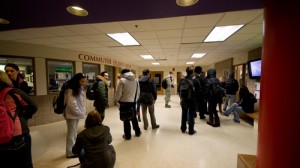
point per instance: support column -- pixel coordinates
(279, 116)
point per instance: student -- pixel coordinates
(17, 152)
(13, 72)
(127, 94)
(101, 94)
(231, 86)
(245, 104)
(75, 109)
(93, 144)
(170, 83)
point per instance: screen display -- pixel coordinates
(254, 69)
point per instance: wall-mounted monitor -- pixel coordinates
(254, 69)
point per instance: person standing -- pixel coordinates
(127, 94)
(75, 109)
(148, 97)
(213, 97)
(101, 93)
(231, 86)
(188, 101)
(13, 72)
(24, 107)
(201, 92)
(93, 144)
(170, 83)
(220, 101)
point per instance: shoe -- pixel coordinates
(167, 106)
(236, 121)
(216, 125)
(192, 132)
(224, 114)
(145, 128)
(209, 123)
(139, 118)
(72, 156)
(157, 126)
(139, 134)
(202, 117)
(126, 137)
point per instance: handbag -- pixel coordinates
(127, 110)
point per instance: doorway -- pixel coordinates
(157, 76)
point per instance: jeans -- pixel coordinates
(72, 125)
(235, 108)
(228, 97)
(152, 116)
(188, 114)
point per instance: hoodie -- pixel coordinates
(126, 89)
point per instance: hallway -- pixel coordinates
(161, 148)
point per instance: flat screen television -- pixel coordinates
(254, 69)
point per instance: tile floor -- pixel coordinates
(161, 148)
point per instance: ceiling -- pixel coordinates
(170, 33)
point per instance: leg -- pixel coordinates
(145, 119)
(27, 139)
(71, 136)
(191, 111)
(231, 109)
(152, 116)
(236, 117)
(127, 130)
(227, 97)
(183, 118)
(168, 97)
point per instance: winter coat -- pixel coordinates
(126, 89)
(101, 94)
(75, 105)
(95, 142)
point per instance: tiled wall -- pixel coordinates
(46, 115)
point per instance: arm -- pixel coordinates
(153, 86)
(72, 103)
(119, 91)
(29, 106)
(102, 93)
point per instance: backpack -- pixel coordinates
(186, 89)
(91, 91)
(58, 102)
(6, 119)
(164, 83)
(216, 91)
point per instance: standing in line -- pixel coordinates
(201, 92)
(188, 101)
(93, 144)
(148, 97)
(231, 86)
(75, 109)
(13, 72)
(127, 94)
(101, 94)
(170, 83)
(24, 107)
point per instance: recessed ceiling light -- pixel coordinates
(190, 63)
(147, 56)
(186, 2)
(78, 11)
(4, 21)
(124, 38)
(221, 33)
(198, 55)
(155, 63)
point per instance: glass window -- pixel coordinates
(25, 69)
(91, 71)
(58, 73)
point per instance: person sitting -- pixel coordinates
(245, 104)
(93, 144)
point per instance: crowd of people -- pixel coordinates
(198, 93)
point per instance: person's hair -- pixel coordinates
(189, 70)
(102, 73)
(198, 69)
(74, 83)
(243, 91)
(4, 81)
(93, 119)
(14, 66)
(125, 70)
(146, 72)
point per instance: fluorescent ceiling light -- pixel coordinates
(155, 63)
(221, 33)
(190, 63)
(124, 38)
(198, 55)
(147, 56)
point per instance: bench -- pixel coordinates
(254, 117)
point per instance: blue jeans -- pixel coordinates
(228, 97)
(235, 108)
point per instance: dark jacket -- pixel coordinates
(246, 100)
(22, 85)
(190, 102)
(200, 85)
(101, 94)
(95, 142)
(231, 86)
(211, 81)
(147, 85)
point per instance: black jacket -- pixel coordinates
(147, 85)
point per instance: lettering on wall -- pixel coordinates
(102, 60)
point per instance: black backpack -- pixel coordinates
(164, 83)
(186, 89)
(58, 102)
(91, 91)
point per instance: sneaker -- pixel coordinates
(126, 137)
(157, 126)
(192, 132)
(236, 121)
(139, 134)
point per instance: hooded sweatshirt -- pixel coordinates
(127, 88)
